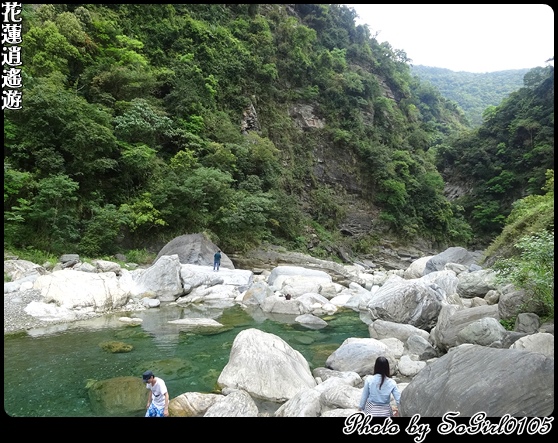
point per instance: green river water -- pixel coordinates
(46, 371)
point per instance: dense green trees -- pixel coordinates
(130, 131)
(507, 157)
(474, 92)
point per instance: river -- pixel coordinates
(46, 372)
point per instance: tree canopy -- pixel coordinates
(143, 122)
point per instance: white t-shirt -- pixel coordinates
(158, 391)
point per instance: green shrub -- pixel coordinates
(366, 244)
(532, 270)
(140, 256)
(35, 256)
(508, 324)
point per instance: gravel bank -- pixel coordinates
(15, 317)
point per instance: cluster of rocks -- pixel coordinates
(437, 322)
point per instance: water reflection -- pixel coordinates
(46, 372)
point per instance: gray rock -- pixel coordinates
(484, 331)
(408, 367)
(541, 342)
(512, 301)
(311, 321)
(349, 377)
(527, 322)
(421, 347)
(413, 302)
(17, 269)
(453, 319)
(305, 403)
(473, 378)
(511, 337)
(476, 284)
(69, 258)
(238, 403)
(162, 279)
(358, 355)
(385, 329)
(451, 255)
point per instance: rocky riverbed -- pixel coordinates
(15, 317)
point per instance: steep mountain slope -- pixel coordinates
(473, 92)
(252, 123)
(506, 159)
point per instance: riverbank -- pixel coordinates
(15, 317)
(17, 320)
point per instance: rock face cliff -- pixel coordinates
(342, 171)
(343, 174)
(346, 175)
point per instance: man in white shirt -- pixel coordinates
(158, 400)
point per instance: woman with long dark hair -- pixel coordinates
(377, 391)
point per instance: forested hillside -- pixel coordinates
(251, 123)
(507, 158)
(473, 92)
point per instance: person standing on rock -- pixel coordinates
(377, 392)
(217, 260)
(158, 400)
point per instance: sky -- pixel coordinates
(473, 38)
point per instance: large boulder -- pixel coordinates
(454, 254)
(541, 342)
(270, 257)
(194, 276)
(191, 404)
(280, 305)
(359, 355)
(413, 302)
(266, 367)
(416, 268)
(306, 403)
(194, 249)
(78, 290)
(161, 280)
(476, 283)
(473, 378)
(237, 403)
(289, 275)
(486, 331)
(17, 269)
(380, 329)
(513, 301)
(117, 396)
(453, 319)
